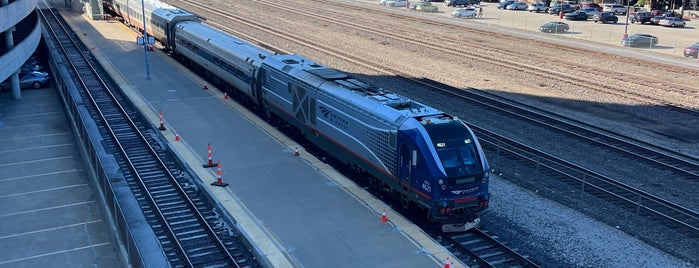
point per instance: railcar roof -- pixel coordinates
(169, 12)
(401, 104)
(158, 4)
(217, 38)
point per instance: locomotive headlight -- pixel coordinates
(440, 181)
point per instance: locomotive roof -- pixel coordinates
(401, 104)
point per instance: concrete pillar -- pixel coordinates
(93, 9)
(14, 78)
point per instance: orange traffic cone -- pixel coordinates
(383, 216)
(162, 122)
(211, 161)
(296, 151)
(177, 137)
(448, 263)
(219, 182)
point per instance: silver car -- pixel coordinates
(538, 7)
(465, 12)
(517, 6)
(396, 3)
(672, 22)
(28, 80)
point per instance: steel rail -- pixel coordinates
(141, 159)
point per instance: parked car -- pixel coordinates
(672, 22)
(639, 40)
(538, 7)
(555, 9)
(692, 51)
(464, 3)
(383, 2)
(591, 5)
(28, 67)
(605, 17)
(576, 15)
(554, 27)
(641, 17)
(615, 8)
(590, 11)
(424, 6)
(396, 3)
(655, 20)
(517, 6)
(28, 80)
(415, 4)
(465, 12)
(504, 4)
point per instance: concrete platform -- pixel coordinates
(49, 216)
(298, 211)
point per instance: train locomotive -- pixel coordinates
(421, 155)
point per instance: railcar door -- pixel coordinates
(169, 40)
(406, 166)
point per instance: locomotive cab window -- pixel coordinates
(457, 152)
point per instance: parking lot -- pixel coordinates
(672, 41)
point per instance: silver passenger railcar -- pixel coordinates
(161, 17)
(226, 57)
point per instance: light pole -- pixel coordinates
(560, 12)
(628, 14)
(145, 39)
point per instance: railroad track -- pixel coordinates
(477, 249)
(183, 220)
(684, 167)
(635, 201)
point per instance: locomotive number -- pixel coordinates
(426, 186)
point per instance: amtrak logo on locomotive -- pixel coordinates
(467, 191)
(333, 118)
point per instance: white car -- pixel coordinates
(383, 2)
(538, 7)
(396, 3)
(517, 6)
(615, 8)
(465, 12)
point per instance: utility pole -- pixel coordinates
(145, 39)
